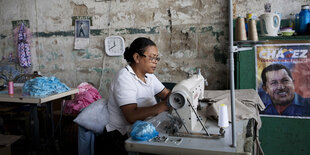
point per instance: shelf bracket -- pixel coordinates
(237, 49)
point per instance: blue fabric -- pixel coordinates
(143, 131)
(86, 141)
(44, 86)
(299, 107)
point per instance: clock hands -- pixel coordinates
(113, 45)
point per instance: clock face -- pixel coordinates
(114, 45)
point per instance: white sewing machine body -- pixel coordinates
(184, 99)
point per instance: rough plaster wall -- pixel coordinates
(190, 34)
(285, 7)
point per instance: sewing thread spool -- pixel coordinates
(223, 116)
(11, 88)
(240, 29)
(252, 30)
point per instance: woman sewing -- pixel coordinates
(132, 96)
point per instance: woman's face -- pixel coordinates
(149, 59)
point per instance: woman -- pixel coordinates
(132, 94)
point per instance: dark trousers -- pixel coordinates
(110, 143)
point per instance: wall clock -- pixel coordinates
(114, 45)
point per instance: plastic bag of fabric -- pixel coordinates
(94, 117)
(143, 131)
(44, 86)
(87, 94)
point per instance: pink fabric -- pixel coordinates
(87, 94)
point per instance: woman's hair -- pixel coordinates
(139, 46)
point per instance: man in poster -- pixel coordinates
(82, 32)
(280, 97)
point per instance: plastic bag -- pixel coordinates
(166, 123)
(94, 117)
(143, 131)
(87, 94)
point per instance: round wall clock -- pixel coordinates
(114, 45)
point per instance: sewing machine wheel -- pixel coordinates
(177, 100)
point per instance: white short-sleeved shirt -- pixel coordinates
(127, 88)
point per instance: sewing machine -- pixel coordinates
(184, 99)
(190, 135)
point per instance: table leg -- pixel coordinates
(50, 118)
(51, 129)
(34, 127)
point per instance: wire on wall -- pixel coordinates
(104, 56)
(37, 38)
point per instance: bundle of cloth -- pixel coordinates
(44, 86)
(87, 94)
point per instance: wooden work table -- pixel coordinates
(33, 102)
(19, 97)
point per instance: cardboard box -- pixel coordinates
(5, 143)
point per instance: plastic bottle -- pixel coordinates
(304, 19)
(291, 23)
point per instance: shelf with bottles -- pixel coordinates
(294, 38)
(266, 39)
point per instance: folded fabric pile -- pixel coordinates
(44, 86)
(87, 94)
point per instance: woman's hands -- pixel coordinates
(133, 113)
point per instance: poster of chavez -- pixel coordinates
(283, 78)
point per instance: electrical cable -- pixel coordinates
(104, 56)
